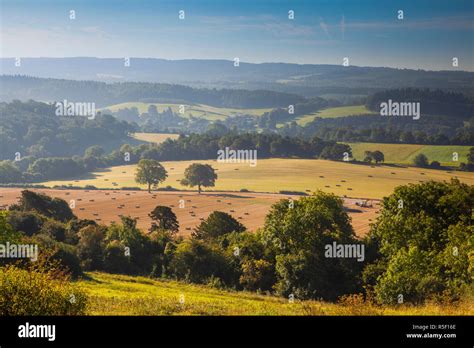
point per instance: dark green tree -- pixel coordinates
(199, 175)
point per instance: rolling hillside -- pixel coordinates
(126, 295)
(405, 153)
(197, 110)
(339, 111)
(273, 175)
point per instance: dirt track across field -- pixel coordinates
(105, 206)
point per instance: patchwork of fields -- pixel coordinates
(339, 111)
(207, 112)
(212, 113)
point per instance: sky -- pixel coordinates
(368, 32)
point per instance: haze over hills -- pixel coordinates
(304, 79)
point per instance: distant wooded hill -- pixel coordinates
(304, 79)
(103, 94)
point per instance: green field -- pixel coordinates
(197, 110)
(126, 295)
(334, 112)
(156, 138)
(405, 153)
(273, 175)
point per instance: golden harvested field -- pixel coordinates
(250, 209)
(273, 175)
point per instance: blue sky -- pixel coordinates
(322, 32)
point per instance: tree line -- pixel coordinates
(192, 147)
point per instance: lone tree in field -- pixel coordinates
(376, 156)
(150, 172)
(199, 175)
(164, 219)
(421, 161)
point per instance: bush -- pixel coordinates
(115, 260)
(435, 164)
(29, 223)
(130, 237)
(257, 275)
(197, 262)
(54, 229)
(30, 292)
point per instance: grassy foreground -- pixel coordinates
(127, 295)
(273, 175)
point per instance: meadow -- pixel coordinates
(339, 111)
(156, 138)
(405, 153)
(129, 295)
(273, 175)
(207, 112)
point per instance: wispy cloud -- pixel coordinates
(441, 23)
(343, 26)
(324, 26)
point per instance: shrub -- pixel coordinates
(257, 275)
(54, 229)
(435, 164)
(135, 241)
(29, 223)
(115, 260)
(30, 292)
(196, 261)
